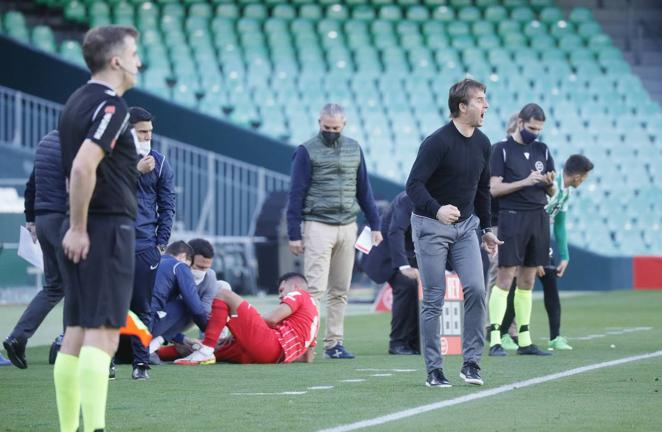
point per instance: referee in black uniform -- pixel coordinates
(97, 257)
(522, 170)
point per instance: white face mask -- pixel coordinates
(142, 147)
(198, 275)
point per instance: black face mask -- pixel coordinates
(330, 137)
(527, 136)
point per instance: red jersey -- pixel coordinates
(298, 331)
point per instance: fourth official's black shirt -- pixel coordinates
(97, 113)
(514, 162)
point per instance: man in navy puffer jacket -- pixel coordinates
(156, 211)
(45, 209)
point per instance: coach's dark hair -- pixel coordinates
(459, 93)
(139, 114)
(179, 247)
(532, 111)
(577, 164)
(202, 247)
(289, 276)
(102, 43)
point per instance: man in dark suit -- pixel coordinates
(394, 261)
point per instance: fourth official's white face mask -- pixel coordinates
(198, 276)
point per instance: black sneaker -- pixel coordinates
(55, 348)
(532, 350)
(497, 351)
(16, 352)
(436, 378)
(338, 352)
(140, 372)
(470, 374)
(112, 371)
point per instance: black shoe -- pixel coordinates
(112, 371)
(532, 350)
(55, 348)
(16, 352)
(401, 350)
(436, 378)
(497, 351)
(470, 374)
(154, 359)
(140, 372)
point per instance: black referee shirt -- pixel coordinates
(514, 162)
(452, 169)
(97, 113)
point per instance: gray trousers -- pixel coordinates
(48, 232)
(436, 243)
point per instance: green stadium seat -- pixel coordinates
(418, 13)
(364, 12)
(580, 15)
(599, 41)
(390, 12)
(458, 28)
(543, 42)
(308, 11)
(337, 11)
(508, 27)
(514, 40)
(42, 37)
(228, 11)
(487, 3)
(76, 11)
(570, 42)
(561, 28)
(469, 13)
(496, 13)
(480, 28)
(522, 14)
(71, 50)
(443, 13)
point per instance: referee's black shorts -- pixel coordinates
(525, 236)
(97, 291)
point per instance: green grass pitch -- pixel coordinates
(329, 393)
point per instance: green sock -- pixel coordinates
(93, 370)
(497, 307)
(523, 302)
(67, 391)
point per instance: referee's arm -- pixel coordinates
(82, 180)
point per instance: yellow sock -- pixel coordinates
(67, 391)
(523, 303)
(497, 307)
(93, 369)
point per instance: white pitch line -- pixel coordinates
(285, 393)
(382, 375)
(486, 393)
(320, 387)
(353, 380)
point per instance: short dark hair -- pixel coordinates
(532, 111)
(577, 164)
(202, 247)
(459, 93)
(289, 276)
(180, 247)
(102, 43)
(139, 114)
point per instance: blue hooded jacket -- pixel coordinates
(156, 205)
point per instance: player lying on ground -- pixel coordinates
(285, 335)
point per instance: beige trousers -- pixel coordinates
(328, 261)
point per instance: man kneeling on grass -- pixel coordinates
(285, 335)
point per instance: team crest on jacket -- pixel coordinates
(540, 166)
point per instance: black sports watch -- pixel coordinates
(485, 231)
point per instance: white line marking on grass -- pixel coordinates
(382, 375)
(486, 393)
(272, 394)
(320, 388)
(404, 370)
(385, 370)
(353, 380)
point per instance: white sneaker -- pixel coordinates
(155, 344)
(203, 356)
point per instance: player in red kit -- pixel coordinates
(285, 335)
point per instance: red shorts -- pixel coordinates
(255, 341)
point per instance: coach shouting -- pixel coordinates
(448, 181)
